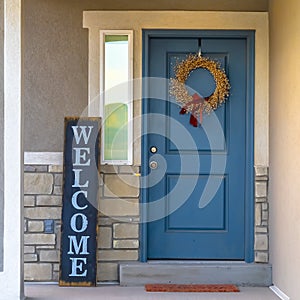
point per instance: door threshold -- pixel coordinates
(195, 272)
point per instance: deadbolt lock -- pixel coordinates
(153, 149)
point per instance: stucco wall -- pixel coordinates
(56, 58)
(285, 144)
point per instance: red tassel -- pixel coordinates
(193, 121)
(183, 111)
(191, 104)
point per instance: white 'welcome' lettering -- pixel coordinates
(83, 133)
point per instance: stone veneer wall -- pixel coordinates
(118, 237)
(261, 245)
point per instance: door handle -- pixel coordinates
(153, 165)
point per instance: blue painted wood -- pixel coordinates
(224, 228)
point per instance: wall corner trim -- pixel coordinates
(279, 293)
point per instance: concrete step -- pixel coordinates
(239, 273)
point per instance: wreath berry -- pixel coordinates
(195, 104)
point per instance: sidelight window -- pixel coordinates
(116, 109)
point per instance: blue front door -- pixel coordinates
(198, 181)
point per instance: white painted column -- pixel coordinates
(11, 279)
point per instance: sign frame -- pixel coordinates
(79, 223)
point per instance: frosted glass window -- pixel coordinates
(117, 98)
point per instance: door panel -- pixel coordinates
(187, 218)
(187, 153)
(201, 140)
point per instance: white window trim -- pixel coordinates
(129, 33)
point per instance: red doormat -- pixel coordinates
(192, 288)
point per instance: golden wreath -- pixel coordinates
(179, 91)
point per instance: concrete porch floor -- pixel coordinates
(112, 292)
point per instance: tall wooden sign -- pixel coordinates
(78, 265)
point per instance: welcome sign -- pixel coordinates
(78, 266)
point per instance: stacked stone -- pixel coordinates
(261, 246)
(118, 219)
(118, 234)
(42, 213)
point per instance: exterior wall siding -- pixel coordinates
(118, 234)
(284, 146)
